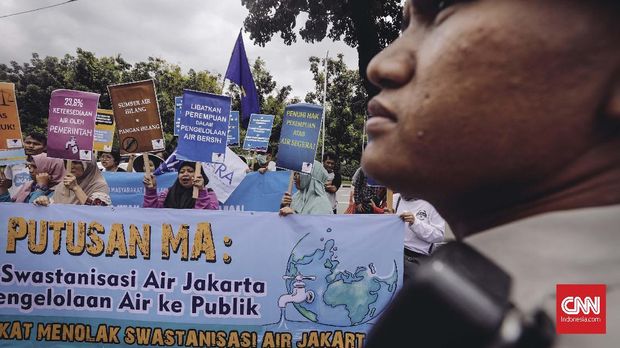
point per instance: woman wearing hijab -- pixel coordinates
(179, 195)
(83, 186)
(45, 172)
(310, 197)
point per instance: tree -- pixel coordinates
(36, 80)
(346, 98)
(368, 25)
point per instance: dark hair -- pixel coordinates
(116, 155)
(330, 155)
(40, 137)
(193, 166)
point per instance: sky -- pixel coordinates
(197, 34)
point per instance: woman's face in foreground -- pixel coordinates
(186, 176)
(484, 93)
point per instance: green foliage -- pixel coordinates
(368, 25)
(35, 81)
(346, 98)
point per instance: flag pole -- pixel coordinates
(364, 131)
(324, 106)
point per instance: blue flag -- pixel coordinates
(240, 73)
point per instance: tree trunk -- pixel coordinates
(367, 39)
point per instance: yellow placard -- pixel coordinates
(104, 130)
(10, 129)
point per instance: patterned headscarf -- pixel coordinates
(53, 166)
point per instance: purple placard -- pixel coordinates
(71, 124)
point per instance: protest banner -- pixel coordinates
(136, 114)
(11, 145)
(233, 129)
(104, 130)
(71, 124)
(204, 127)
(259, 192)
(298, 140)
(225, 177)
(178, 104)
(127, 189)
(154, 277)
(259, 132)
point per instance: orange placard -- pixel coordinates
(10, 130)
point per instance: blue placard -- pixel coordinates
(233, 129)
(372, 182)
(259, 132)
(204, 127)
(300, 134)
(178, 104)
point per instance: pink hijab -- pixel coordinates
(53, 166)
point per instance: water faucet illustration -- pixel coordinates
(299, 293)
(73, 144)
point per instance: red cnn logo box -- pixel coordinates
(581, 309)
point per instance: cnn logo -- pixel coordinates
(576, 305)
(580, 308)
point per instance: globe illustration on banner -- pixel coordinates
(339, 293)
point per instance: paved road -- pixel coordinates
(342, 195)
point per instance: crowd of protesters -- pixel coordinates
(43, 181)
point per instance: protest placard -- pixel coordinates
(259, 132)
(301, 125)
(233, 129)
(178, 105)
(259, 192)
(136, 114)
(225, 177)
(204, 127)
(73, 275)
(104, 130)
(372, 182)
(11, 146)
(71, 124)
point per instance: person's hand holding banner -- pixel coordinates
(41, 201)
(287, 199)
(149, 180)
(42, 179)
(70, 181)
(284, 211)
(199, 182)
